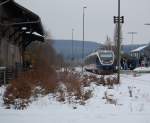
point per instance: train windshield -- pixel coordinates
(106, 56)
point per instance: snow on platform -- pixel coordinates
(142, 70)
(135, 109)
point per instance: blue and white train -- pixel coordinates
(100, 62)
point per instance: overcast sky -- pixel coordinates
(60, 16)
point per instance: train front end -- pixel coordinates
(106, 62)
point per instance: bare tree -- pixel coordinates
(108, 43)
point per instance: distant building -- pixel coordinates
(142, 54)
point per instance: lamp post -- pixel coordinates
(83, 36)
(147, 24)
(132, 33)
(72, 45)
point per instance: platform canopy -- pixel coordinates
(22, 20)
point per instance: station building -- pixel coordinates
(142, 53)
(19, 27)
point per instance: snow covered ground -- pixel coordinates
(134, 109)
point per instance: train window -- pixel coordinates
(106, 56)
(97, 61)
(92, 60)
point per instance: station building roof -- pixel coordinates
(21, 19)
(139, 48)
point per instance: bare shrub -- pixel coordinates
(86, 81)
(110, 98)
(19, 89)
(93, 78)
(115, 80)
(23, 86)
(100, 81)
(110, 81)
(74, 88)
(60, 95)
(130, 91)
(87, 95)
(41, 75)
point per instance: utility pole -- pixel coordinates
(119, 19)
(83, 37)
(119, 47)
(132, 34)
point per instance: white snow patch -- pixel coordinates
(135, 109)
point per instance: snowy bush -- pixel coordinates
(21, 90)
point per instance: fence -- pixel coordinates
(6, 74)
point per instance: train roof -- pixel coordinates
(96, 53)
(105, 51)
